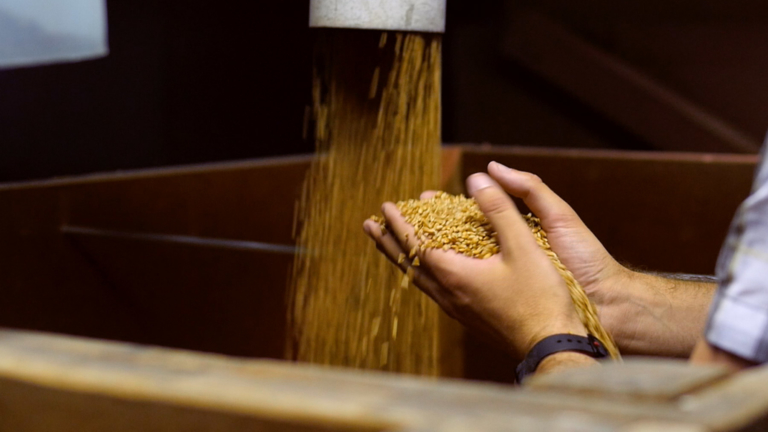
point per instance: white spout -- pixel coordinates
(403, 15)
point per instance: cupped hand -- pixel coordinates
(602, 277)
(573, 242)
(516, 296)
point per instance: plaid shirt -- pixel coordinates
(738, 318)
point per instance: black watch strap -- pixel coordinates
(589, 345)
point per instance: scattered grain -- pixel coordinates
(369, 150)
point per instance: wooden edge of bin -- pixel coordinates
(349, 400)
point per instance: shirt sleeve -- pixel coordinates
(738, 318)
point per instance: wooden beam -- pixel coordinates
(56, 383)
(617, 90)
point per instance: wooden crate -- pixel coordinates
(119, 256)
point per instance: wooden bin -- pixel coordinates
(198, 257)
(57, 383)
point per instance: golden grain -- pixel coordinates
(369, 150)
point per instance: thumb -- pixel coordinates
(542, 201)
(511, 229)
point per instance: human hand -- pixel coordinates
(516, 296)
(645, 314)
(576, 246)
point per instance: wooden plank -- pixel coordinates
(618, 91)
(224, 301)
(89, 385)
(67, 411)
(134, 385)
(451, 164)
(253, 201)
(45, 285)
(637, 378)
(664, 426)
(228, 301)
(262, 390)
(740, 403)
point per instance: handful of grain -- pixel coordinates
(454, 222)
(450, 222)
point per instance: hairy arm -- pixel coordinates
(656, 314)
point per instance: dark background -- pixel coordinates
(190, 81)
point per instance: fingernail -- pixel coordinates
(477, 182)
(500, 166)
(366, 229)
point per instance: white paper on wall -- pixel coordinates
(36, 32)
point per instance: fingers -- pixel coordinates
(402, 230)
(386, 244)
(427, 195)
(542, 201)
(512, 231)
(389, 246)
(403, 234)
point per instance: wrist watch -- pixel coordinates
(589, 345)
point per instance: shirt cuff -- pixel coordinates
(739, 329)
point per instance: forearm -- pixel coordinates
(706, 354)
(703, 354)
(654, 315)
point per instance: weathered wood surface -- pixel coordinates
(648, 379)
(58, 383)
